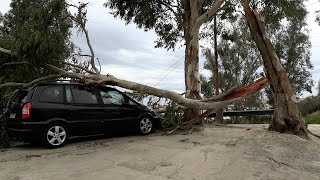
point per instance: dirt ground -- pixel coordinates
(214, 153)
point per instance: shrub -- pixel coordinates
(172, 116)
(313, 118)
(309, 105)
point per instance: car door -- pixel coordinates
(85, 111)
(121, 114)
(48, 103)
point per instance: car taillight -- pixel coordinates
(26, 110)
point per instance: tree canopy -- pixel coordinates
(40, 29)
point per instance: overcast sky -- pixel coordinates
(128, 53)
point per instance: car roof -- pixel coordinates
(69, 83)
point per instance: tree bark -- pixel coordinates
(191, 66)
(287, 116)
(192, 23)
(218, 118)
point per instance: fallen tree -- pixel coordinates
(212, 104)
(94, 77)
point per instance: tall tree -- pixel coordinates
(38, 33)
(172, 21)
(290, 39)
(40, 30)
(287, 116)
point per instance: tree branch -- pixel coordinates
(5, 111)
(36, 81)
(209, 13)
(84, 55)
(11, 84)
(79, 67)
(80, 19)
(6, 51)
(170, 8)
(240, 94)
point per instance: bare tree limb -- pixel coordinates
(99, 65)
(36, 81)
(240, 94)
(11, 84)
(83, 55)
(81, 21)
(8, 104)
(209, 13)
(6, 51)
(79, 67)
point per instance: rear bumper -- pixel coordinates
(24, 130)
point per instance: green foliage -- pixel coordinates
(309, 105)
(165, 17)
(149, 14)
(172, 116)
(289, 35)
(313, 118)
(238, 62)
(39, 30)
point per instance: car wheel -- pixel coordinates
(145, 125)
(55, 135)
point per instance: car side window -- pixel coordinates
(69, 96)
(52, 94)
(112, 97)
(84, 95)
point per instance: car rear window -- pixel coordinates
(20, 98)
(52, 94)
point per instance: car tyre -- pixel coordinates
(55, 135)
(145, 125)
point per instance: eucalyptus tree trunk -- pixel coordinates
(286, 116)
(192, 21)
(191, 66)
(216, 69)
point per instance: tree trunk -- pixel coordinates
(192, 78)
(191, 66)
(218, 118)
(287, 116)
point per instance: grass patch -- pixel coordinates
(313, 118)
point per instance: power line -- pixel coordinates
(161, 74)
(177, 64)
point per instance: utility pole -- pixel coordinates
(219, 112)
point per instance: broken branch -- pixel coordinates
(237, 95)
